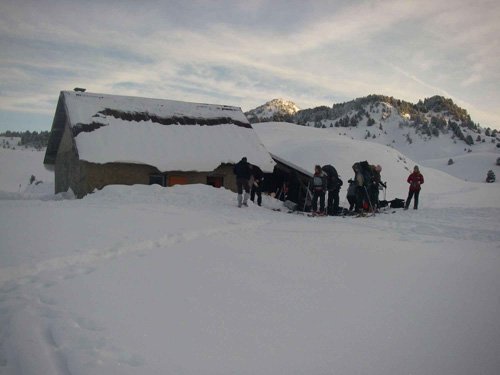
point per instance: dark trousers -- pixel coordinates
(373, 195)
(361, 197)
(256, 190)
(333, 202)
(242, 184)
(412, 194)
(321, 195)
(352, 201)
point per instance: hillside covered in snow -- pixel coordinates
(434, 132)
(152, 280)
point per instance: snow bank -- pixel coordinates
(469, 166)
(143, 279)
(17, 167)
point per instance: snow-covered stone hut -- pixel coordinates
(98, 140)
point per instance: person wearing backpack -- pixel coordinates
(333, 185)
(416, 179)
(365, 176)
(373, 187)
(256, 181)
(319, 185)
(333, 196)
(243, 173)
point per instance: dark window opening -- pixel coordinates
(177, 180)
(215, 181)
(159, 179)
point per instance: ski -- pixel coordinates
(317, 215)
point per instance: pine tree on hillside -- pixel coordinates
(490, 176)
(30, 139)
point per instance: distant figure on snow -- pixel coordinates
(243, 173)
(415, 180)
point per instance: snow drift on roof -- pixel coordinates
(175, 147)
(88, 108)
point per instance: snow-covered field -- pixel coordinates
(17, 166)
(148, 280)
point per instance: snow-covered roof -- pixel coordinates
(86, 108)
(291, 165)
(167, 134)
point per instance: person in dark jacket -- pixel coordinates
(333, 185)
(359, 188)
(373, 187)
(416, 179)
(243, 173)
(256, 181)
(318, 184)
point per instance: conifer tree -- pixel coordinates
(490, 176)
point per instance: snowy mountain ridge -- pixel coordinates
(273, 110)
(431, 132)
(431, 117)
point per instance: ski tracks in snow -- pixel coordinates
(39, 329)
(85, 261)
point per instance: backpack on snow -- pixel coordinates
(397, 203)
(383, 203)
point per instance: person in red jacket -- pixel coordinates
(415, 180)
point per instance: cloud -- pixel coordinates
(245, 53)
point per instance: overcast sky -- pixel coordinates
(245, 53)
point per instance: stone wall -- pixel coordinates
(67, 166)
(96, 176)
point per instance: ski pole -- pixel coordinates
(369, 200)
(307, 194)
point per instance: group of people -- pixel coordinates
(249, 180)
(325, 180)
(362, 193)
(363, 190)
